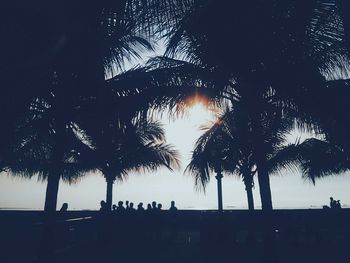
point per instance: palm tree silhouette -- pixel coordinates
(118, 149)
(210, 154)
(47, 144)
(230, 145)
(86, 40)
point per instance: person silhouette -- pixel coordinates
(120, 208)
(140, 207)
(103, 206)
(337, 204)
(114, 207)
(173, 220)
(173, 208)
(332, 202)
(157, 222)
(154, 205)
(127, 205)
(103, 222)
(149, 207)
(63, 229)
(131, 207)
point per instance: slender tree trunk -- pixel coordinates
(267, 215)
(47, 246)
(109, 194)
(250, 198)
(248, 182)
(264, 186)
(260, 157)
(51, 195)
(263, 175)
(219, 184)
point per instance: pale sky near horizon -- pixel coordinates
(288, 190)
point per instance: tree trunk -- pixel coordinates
(250, 198)
(265, 190)
(248, 182)
(48, 238)
(260, 157)
(109, 194)
(219, 185)
(267, 216)
(51, 195)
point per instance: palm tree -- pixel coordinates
(230, 145)
(210, 150)
(136, 146)
(211, 154)
(47, 143)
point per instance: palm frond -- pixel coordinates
(327, 39)
(151, 157)
(150, 131)
(168, 84)
(286, 157)
(320, 159)
(316, 159)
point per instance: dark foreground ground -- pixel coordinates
(284, 236)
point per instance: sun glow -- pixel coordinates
(199, 114)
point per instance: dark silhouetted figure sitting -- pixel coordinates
(337, 204)
(332, 203)
(103, 222)
(140, 207)
(131, 209)
(159, 207)
(173, 208)
(127, 205)
(114, 207)
(157, 221)
(120, 207)
(149, 216)
(154, 205)
(63, 229)
(149, 207)
(103, 207)
(131, 220)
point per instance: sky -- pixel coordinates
(289, 190)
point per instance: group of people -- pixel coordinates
(129, 207)
(334, 204)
